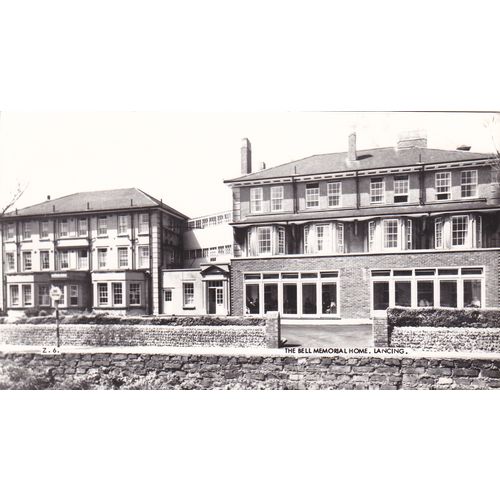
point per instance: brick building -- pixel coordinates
(104, 249)
(346, 235)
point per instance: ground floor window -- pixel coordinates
(74, 292)
(441, 287)
(14, 295)
(27, 296)
(43, 295)
(134, 294)
(188, 294)
(102, 294)
(292, 293)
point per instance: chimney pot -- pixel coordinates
(262, 165)
(48, 197)
(88, 205)
(246, 157)
(463, 147)
(352, 154)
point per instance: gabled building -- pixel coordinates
(104, 249)
(346, 235)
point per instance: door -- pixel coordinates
(216, 299)
(168, 307)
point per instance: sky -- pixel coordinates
(183, 158)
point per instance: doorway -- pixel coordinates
(216, 299)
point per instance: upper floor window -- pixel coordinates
(438, 232)
(256, 200)
(63, 227)
(377, 190)
(281, 241)
(443, 185)
(102, 257)
(44, 229)
(334, 192)
(277, 198)
(144, 223)
(11, 262)
(64, 260)
(264, 240)
(312, 195)
(323, 243)
(11, 231)
(44, 260)
(83, 228)
(143, 256)
(102, 225)
(122, 224)
(401, 186)
(391, 233)
(27, 264)
(83, 259)
(468, 183)
(27, 230)
(123, 257)
(371, 235)
(459, 230)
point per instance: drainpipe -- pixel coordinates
(422, 186)
(294, 190)
(358, 198)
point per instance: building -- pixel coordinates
(346, 235)
(104, 249)
(202, 285)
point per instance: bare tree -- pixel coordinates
(13, 198)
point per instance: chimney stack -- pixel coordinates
(352, 155)
(262, 165)
(412, 139)
(246, 157)
(463, 147)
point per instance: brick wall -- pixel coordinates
(258, 372)
(354, 272)
(143, 335)
(446, 339)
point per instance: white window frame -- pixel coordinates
(277, 196)
(44, 230)
(114, 289)
(442, 184)
(44, 253)
(27, 288)
(83, 262)
(264, 230)
(143, 257)
(74, 292)
(27, 230)
(371, 235)
(144, 223)
(467, 230)
(188, 295)
(83, 229)
(11, 231)
(11, 262)
(385, 234)
(256, 200)
(14, 295)
(43, 298)
(409, 234)
(334, 192)
(281, 244)
(63, 228)
(401, 187)
(65, 254)
(122, 252)
(377, 190)
(28, 267)
(102, 225)
(325, 238)
(339, 228)
(102, 287)
(102, 264)
(468, 183)
(136, 293)
(438, 232)
(122, 225)
(312, 195)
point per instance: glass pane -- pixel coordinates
(309, 298)
(252, 293)
(270, 297)
(402, 291)
(380, 295)
(472, 293)
(448, 293)
(289, 298)
(329, 298)
(425, 293)
(405, 272)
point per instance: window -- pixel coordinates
(43, 295)
(102, 226)
(144, 223)
(188, 294)
(402, 293)
(122, 224)
(256, 200)
(289, 298)
(27, 230)
(391, 233)
(27, 264)
(117, 293)
(73, 295)
(168, 295)
(14, 295)
(371, 235)
(102, 257)
(323, 238)
(409, 234)
(468, 183)
(102, 294)
(277, 198)
(459, 230)
(309, 298)
(438, 232)
(27, 297)
(44, 229)
(380, 295)
(329, 298)
(10, 231)
(401, 185)
(340, 237)
(63, 260)
(448, 293)
(312, 195)
(281, 240)
(479, 231)
(122, 257)
(252, 299)
(425, 293)
(472, 293)
(334, 192)
(443, 185)
(44, 260)
(63, 227)
(83, 227)
(83, 259)
(143, 256)
(270, 297)
(11, 262)
(377, 190)
(264, 240)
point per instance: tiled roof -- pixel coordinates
(94, 201)
(366, 159)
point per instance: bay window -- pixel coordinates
(391, 233)
(459, 230)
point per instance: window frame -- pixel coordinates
(469, 185)
(27, 231)
(312, 194)
(44, 233)
(373, 190)
(188, 301)
(102, 287)
(279, 198)
(44, 253)
(27, 253)
(83, 232)
(439, 223)
(405, 178)
(102, 252)
(385, 223)
(8, 262)
(123, 263)
(260, 240)
(337, 194)
(102, 226)
(439, 184)
(254, 200)
(114, 294)
(466, 239)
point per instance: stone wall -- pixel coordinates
(446, 339)
(167, 371)
(267, 335)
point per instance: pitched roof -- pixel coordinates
(366, 159)
(94, 201)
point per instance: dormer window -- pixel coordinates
(312, 195)
(443, 185)
(401, 185)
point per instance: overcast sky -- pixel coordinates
(184, 157)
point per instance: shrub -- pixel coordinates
(32, 311)
(447, 318)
